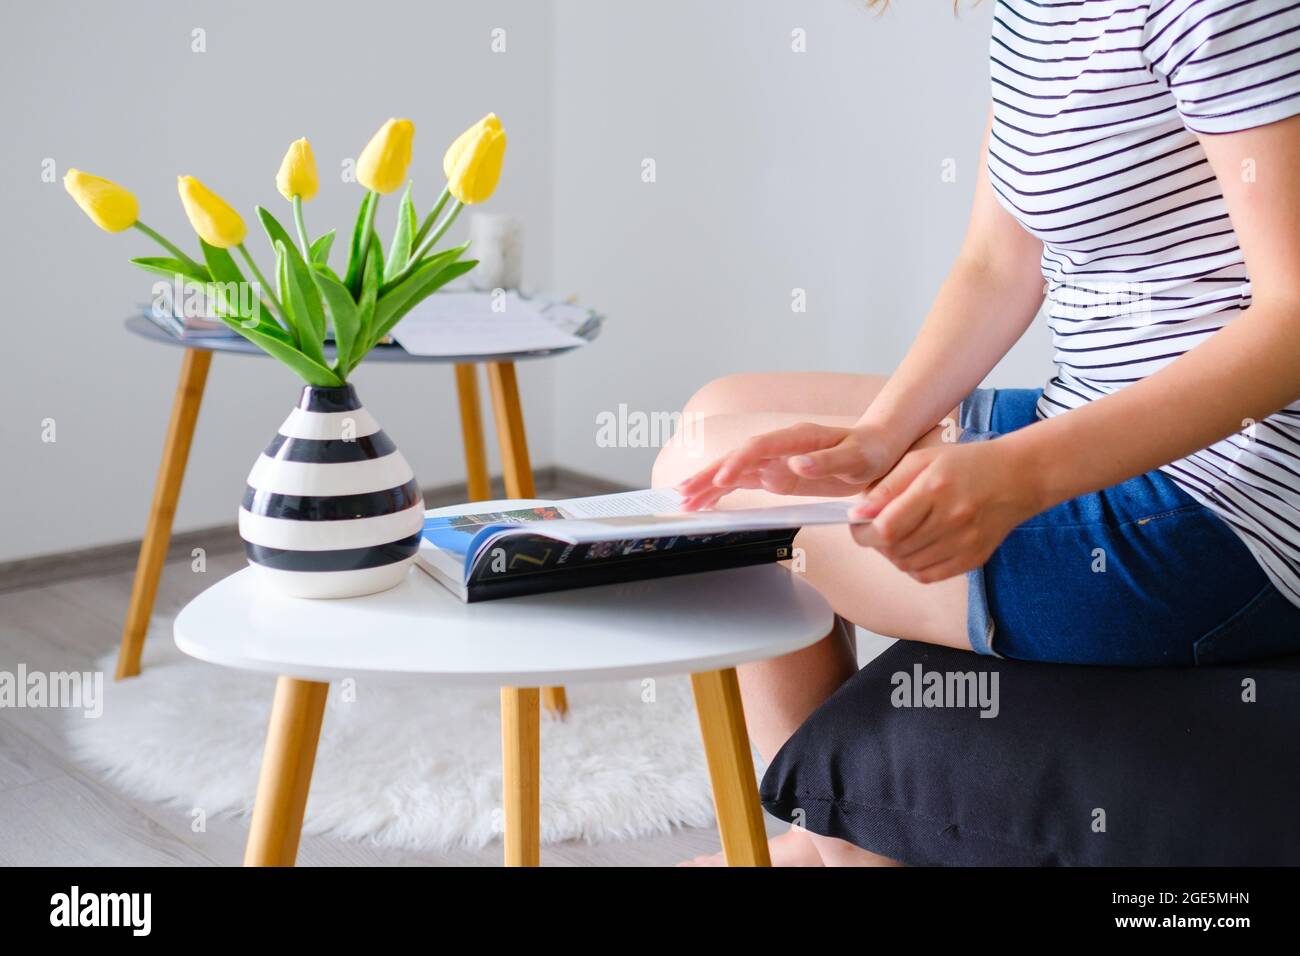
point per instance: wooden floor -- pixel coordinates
(54, 813)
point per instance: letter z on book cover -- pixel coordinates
(482, 551)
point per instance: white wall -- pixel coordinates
(113, 88)
(775, 170)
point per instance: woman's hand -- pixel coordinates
(944, 510)
(803, 459)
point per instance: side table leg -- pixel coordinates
(731, 768)
(521, 775)
(471, 429)
(166, 491)
(287, 763)
(518, 469)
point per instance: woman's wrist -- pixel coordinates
(1036, 467)
(895, 431)
(883, 444)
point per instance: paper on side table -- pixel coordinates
(463, 323)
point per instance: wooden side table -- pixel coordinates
(700, 624)
(195, 362)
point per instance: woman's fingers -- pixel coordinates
(780, 480)
(710, 495)
(909, 554)
(762, 462)
(892, 485)
(794, 440)
(706, 498)
(847, 458)
(893, 527)
(701, 479)
(774, 478)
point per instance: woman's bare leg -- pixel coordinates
(863, 587)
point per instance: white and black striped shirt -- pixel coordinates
(1094, 149)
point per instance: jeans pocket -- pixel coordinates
(1267, 626)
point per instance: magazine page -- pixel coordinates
(650, 501)
(581, 530)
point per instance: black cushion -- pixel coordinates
(1081, 765)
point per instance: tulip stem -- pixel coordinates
(266, 286)
(429, 219)
(166, 244)
(302, 229)
(443, 226)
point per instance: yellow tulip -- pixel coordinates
(211, 216)
(472, 163)
(109, 206)
(382, 164)
(297, 175)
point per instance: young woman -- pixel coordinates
(1143, 508)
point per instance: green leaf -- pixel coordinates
(251, 323)
(169, 268)
(224, 273)
(430, 285)
(320, 249)
(366, 307)
(295, 304)
(324, 270)
(343, 312)
(399, 253)
(447, 255)
(360, 232)
(221, 264)
(313, 373)
(394, 295)
(312, 310)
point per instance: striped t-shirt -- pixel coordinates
(1097, 107)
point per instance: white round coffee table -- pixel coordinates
(701, 624)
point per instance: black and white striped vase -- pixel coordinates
(332, 508)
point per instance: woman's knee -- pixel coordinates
(702, 438)
(689, 450)
(740, 392)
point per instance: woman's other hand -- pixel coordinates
(942, 511)
(805, 459)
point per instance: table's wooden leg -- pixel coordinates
(521, 775)
(731, 768)
(166, 491)
(518, 469)
(510, 430)
(471, 429)
(556, 701)
(287, 763)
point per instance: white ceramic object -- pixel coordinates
(497, 242)
(332, 509)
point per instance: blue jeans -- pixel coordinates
(1138, 574)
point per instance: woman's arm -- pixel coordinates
(988, 299)
(944, 511)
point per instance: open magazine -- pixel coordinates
(529, 547)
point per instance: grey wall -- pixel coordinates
(775, 170)
(114, 88)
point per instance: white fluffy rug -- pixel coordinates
(402, 763)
